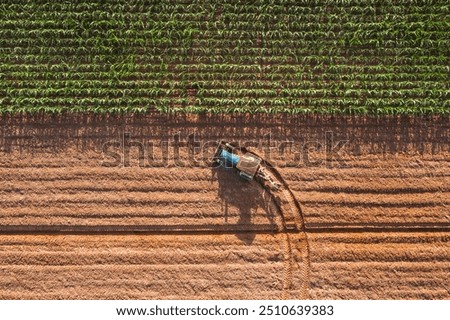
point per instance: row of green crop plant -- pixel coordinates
(223, 102)
(382, 31)
(213, 48)
(206, 54)
(152, 17)
(112, 92)
(315, 66)
(266, 6)
(137, 24)
(210, 63)
(300, 79)
(164, 87)
(380, 110)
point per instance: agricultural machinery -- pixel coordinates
(247, 164)
(231, 157)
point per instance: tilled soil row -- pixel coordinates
(142, 267)
(380, 266)
(133, 195)
(391, 174)
(343, 266)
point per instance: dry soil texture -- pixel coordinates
(376, 212)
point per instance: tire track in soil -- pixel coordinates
(288, 268)
(296, 252)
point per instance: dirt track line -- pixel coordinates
(294, 225)
(379, 227)
(140, 229)
(288, 273)
(217, 229)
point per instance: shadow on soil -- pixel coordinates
(84, 131)
(247, 197)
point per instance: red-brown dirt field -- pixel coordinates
(375, 215)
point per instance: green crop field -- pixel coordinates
(295, 56)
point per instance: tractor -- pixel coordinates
(245, 163)
(249, 166)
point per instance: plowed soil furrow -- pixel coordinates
(161, 212)
(377, 266)
(381, 187)
(392, 174)
(373, 194)
(115, 293)
(148, 198)
(346, 199)
(388, 170)
(86, 210)
(384, 186)
(375, 214)
(12, 257)
(43, 204)
(440, 268)
(338, 204)
(117, 174)
(406, 294)
(63, 266)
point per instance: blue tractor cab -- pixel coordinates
(228, 159)
(246, 164)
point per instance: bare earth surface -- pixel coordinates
(376, 214)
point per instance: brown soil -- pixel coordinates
(377, 221)
(390, 265)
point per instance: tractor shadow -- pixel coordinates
(247, 197)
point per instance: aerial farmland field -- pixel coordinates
(111, 113)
